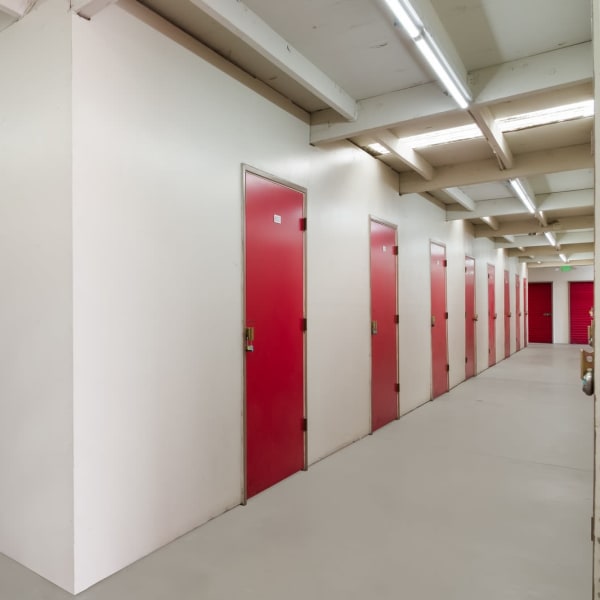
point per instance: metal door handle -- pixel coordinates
(249, 334)
(433, 320)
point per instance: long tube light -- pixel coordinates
(550, 237)
(412, 24)
(522, 194)
(563, 257)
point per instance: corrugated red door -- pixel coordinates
(274, 335)
(518, 312)
(540, 313)
(507, 315)
(384, 338)
(491, 285)
(470, 317)
(581, 301)
(525, 312)
(439, 315)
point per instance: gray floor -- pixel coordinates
(485, 493)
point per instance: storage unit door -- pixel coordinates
(540, 313)
(274, 333)
(507, 315)
(439, 315)
(491, 275)
(518, 312)
(581, 302)
(384, 346)
(469, 317)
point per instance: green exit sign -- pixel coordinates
(566, 268)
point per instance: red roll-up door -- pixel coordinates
(581, 301)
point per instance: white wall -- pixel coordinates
(159, 136)
(560, 295)
(36, 460)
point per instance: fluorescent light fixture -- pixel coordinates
(566, 112)
(550, 237)
(407, 17)
(522, 194)
(444, 136)
(563, 257)
(434, 57)
(377, 147)
(411, 22)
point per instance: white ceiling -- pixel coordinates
(333, 57)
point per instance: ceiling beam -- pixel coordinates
(382, 112)
(551, 251)
(16, 8)
(500, 207)
(483, 171)
(236, 17)
(463, 199)
(492, 223)
(549, 264)
(534, 74)
(541, 72)
(89, 8)
(532, 227)
(495, 138)
(405, 153)
(532, 241)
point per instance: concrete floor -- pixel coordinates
(486, 493)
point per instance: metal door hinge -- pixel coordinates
(395, 250)
(303, 224)
(447, 368)
(445, 315)
(304, 424)
(445, 263)
(397, 387)
(304, 324)
(396, 319)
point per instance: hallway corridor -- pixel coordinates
(483, 494)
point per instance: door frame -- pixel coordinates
(393, 226)
(284, 182)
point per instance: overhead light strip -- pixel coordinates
(522, 194)
(550, 237)
(410, 21)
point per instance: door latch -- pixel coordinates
(249, 334)
(373, 327)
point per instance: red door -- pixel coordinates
(581, 301)
(507, 315)
(518, 311)
(274, 336)
(540, 313)
(439, 339)
(526, 311)
(384, 339)
(491, 275)
(470, 317)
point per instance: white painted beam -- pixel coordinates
(459, 196)
(492, 223)
(382, 112)
(551, 263)
(500, 207)
(89, 8)
(405, 153)
(235, 16)
(542, 72)
(550, 251)
(483, 171)
(16, 8)
(531, 241)
(532, 227)
(495, 138)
